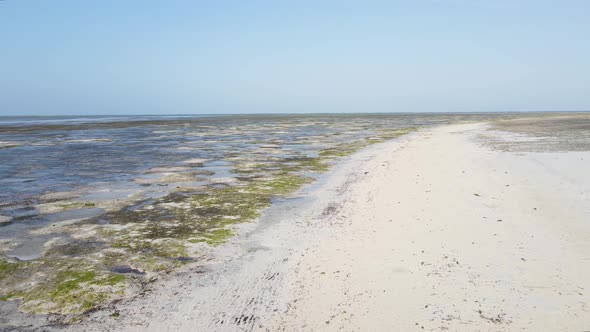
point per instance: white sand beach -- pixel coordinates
(444, 234)
(434, 231)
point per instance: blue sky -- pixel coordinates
(139, 57)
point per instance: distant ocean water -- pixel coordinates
(37, 120)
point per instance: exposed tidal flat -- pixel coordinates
(92, 210)
(97, 211)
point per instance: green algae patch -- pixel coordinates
(290, 165)
(79, 291)
(8, 268)
(393, 133)
(74, 205)
(346, 149)
(218, 236)
(285, 184)
(69, 291)
(72, 280)
(388, 134)
(298, 164)
(161, 230)
(9, 296)
(164, 248)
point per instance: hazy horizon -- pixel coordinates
(136, 115)
(71, 58)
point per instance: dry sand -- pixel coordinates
(436, 231)
(446, 234)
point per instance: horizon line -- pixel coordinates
(286, 113)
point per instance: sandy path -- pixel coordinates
(446, 234)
